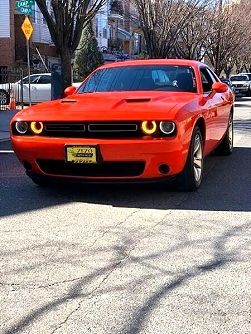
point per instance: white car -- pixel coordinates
(241, 84)
(40, 85)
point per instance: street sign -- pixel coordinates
(27, 28)
(25, 6)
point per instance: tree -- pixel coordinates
(88, 56)
(230, 35)
(193, 40)
(162, 22)
(66, 20)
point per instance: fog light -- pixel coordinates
(37, 127)
(167, 127)
(163, 169)
(21, 127)
(149, 127)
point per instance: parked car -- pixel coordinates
(241, 84)
(40, 85)
(133, 121)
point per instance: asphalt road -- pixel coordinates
(129, 259)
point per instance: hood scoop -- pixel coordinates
(138, 100)
(68, 101)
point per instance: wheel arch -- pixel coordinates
(202, 126)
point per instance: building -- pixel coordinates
(116, 26)
(124, 32)
(7, 33)
(13, 43)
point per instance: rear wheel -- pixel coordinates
(191, 176)
(4, 97)
(226, 146)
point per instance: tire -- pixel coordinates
(191, 176)
(226, 146)
(4, 97)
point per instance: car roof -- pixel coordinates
(239, 75)
(41, 74)
(184, 62)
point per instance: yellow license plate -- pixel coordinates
(81, 154)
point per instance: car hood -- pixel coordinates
(109, 106)
(239, 82)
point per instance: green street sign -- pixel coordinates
(25, 6)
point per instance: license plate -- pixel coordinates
(81, 154)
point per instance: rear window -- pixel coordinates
(141, 78)
(239, 78)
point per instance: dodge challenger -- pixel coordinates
(129, 121)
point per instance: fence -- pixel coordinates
(11, 87)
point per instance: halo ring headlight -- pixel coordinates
(167, 127)
(21, 127)
(37, 127)
(149, 127)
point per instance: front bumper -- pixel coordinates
(151, 152)
(241, 90)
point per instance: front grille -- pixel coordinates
(104, 169)
(92, 130)
(238, 85)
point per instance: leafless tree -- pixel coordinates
(66, 20)
(163, 22)
(194, 39)
(228, 36)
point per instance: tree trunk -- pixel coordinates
(66, 57)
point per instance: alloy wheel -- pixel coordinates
(197, 158)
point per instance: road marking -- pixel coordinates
(6, 151)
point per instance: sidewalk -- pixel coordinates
(5, 117)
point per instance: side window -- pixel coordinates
(207, 80)
(44, 79)
(34, 79)
(213, 75)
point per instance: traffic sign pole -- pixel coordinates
(27, 30)
(29, 68)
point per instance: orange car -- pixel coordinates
(134, 120)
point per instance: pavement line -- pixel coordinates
(6, 151)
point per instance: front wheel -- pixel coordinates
(191, 176)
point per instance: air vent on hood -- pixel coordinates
(138, 100)
(68, 101)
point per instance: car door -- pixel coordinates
(224, 105)
(44, 88)
(33, 88)
(211, 111)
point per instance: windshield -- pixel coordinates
(249, 75)
(239, 78)
(141, 78)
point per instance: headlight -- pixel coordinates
(37, 127)
(21, 127)
(167, 127)
(149, 127)
(246, 84)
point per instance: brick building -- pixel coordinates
(13, 43)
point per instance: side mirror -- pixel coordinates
(219, 87)
(69, 90)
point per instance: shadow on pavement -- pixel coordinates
(226, 187)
